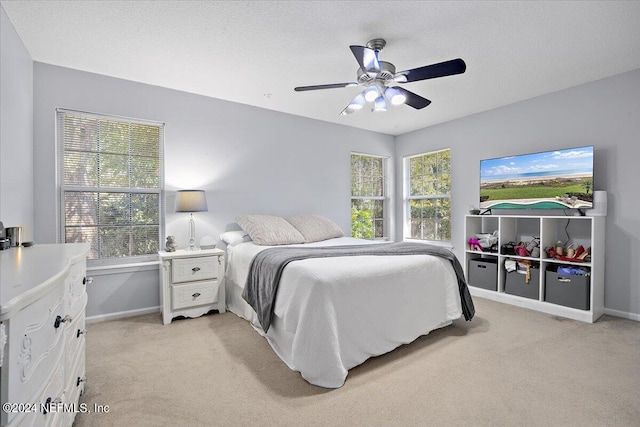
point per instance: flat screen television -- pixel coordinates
(559, 179)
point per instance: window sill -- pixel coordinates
(100, 270)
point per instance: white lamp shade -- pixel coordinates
(380, 104)
(395, 96)
(358, 102)
(191, 201)
(371, 93)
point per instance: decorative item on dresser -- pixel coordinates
(191, 201)
(190, 283)
(42, 344)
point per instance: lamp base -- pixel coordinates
(192, 234)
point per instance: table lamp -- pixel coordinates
(191, 201)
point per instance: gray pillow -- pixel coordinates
(315, 227)
(269, 230)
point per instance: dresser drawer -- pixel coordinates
(76, 379)
(194, 294)
(192, 269)
(36, 345)
(75, 341)
(41, 414)
(75, 285)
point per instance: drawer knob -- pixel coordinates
(196, 295)
(195, 269)
(80, 380)
(59, 320)
(87, 280)
(81, 332)
(46, 408)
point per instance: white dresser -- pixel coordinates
(42, 345)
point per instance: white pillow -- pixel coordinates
(232, 238)
(315, 227)
(269, 230)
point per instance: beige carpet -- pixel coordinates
(509, 366)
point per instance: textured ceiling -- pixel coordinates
(255, 52)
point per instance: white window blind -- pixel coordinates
(110, 171)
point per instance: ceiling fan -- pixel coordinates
(377, 78)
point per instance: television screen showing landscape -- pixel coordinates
(561, 179)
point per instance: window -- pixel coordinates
(428, 196)
(368, 195)
(110, 172)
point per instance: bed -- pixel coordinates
(332, 314)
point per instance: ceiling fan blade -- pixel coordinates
(414, 100)
(329, 86)
(447, 68)
(367, 58)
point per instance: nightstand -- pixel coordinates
(191, 283)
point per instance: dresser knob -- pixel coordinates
(47, 404)
(59, 320)
(196, 295)
(80, 380)
(195, 269)
(81, 332)
(87, 280)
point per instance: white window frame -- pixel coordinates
(406, 164)
(133, 260)
(385, 193)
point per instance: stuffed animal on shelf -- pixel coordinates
(171, 244)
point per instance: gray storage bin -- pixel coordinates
(568, 290)
(483, 273)
(516, 283)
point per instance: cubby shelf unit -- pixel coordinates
(582, 230)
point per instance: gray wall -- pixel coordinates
(247, 159)
(16, 130)
(605, 114)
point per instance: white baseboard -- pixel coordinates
(138, 312)
(623, 314)
(122, 314)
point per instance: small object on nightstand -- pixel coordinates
(207, 242)
(171, 244)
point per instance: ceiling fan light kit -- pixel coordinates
(357, 103)
(380, 104)
(395, 96)
(371, 93)
(376, 77)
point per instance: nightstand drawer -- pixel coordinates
(192, 269)
(193, 294)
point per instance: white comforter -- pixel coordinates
(332, 314)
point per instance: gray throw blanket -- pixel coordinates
(267, 266)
